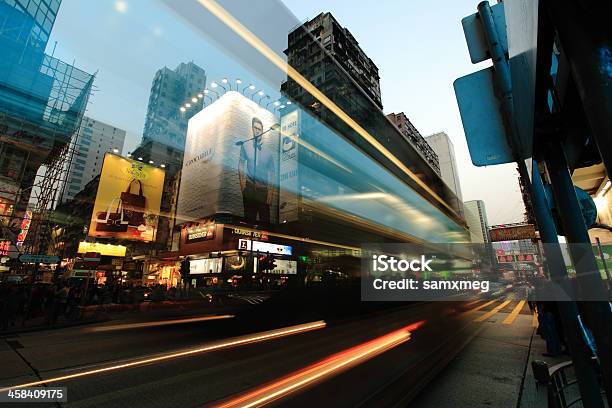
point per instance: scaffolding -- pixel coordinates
(37, 124)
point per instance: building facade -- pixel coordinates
(329, 56)
(170, 89)
(413, 136)
(93, 139)
(443, 147)
(476, 218)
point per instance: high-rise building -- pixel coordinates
(165, 123)
(93, 139)
(42, 100)
(476, 219)
(336, 59)
(442, 145)
(413, 136)
(330, 58)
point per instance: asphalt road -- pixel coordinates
(341, 364)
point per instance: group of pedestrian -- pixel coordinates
(24, 302)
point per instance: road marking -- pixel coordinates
(480, 307)
(232, 342)
(534, 321)
(492, 312)
(514, 313)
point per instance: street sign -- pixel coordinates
(517, 232)
(482, 119)
(474, 34)
(38, 258)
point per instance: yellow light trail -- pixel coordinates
(237, 341)
(517, 309)
(224, 16)
(127, 326)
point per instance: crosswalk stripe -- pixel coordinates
(534, 320)
(492, 312)
(480, 307)
(472, 302)
(514, 313)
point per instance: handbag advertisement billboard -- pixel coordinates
(231, 162)
(128, 200)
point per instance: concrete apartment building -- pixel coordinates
(476, 218)
(93, 139)
(442, 145)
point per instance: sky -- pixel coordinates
(418, 46)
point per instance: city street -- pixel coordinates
(238, 203)
(437, 332)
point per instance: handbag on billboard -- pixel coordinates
(134, 204)
(112, 220)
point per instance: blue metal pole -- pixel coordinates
(597, 313)
(585, 373)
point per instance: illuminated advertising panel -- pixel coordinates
(101, 248)
(128, 200)
(264, 247)
(209, 265)
(24, 228)
(288, 167)
(199, 232)
(283, 267)
(231, 162)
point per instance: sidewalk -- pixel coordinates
(493, 370)
(112, 311)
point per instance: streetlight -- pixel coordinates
(262, 98)
(213, 84)
(260, 93)
(207, 91)
(251, 87)
(225, 81)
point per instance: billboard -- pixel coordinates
(264, 247)
(128, 200)
(288, 167)
(231, 162)
(102, 249)
(207, 265)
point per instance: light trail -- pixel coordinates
(236, 341)
(127, 326)
(326, 368)
(231, 22)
